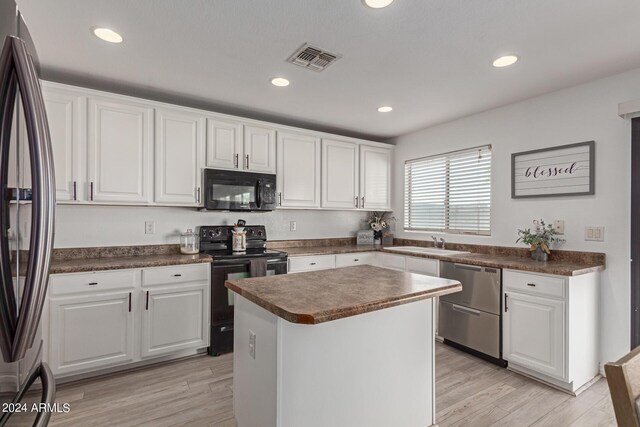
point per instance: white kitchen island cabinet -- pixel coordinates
(361, 354)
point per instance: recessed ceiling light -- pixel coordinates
(377, 4)
(385, 109)
(280, 82)
(107, 35)
(505, 61)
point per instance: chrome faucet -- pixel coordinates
(442, 240)
(435, 242)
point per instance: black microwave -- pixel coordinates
(239, 191)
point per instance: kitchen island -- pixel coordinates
(350, 347)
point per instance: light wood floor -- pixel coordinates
(198, 392)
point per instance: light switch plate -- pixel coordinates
(293, 225)
(558, 225)
(594, 234)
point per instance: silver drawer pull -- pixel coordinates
(466, 310)
(93, 283)
(226, 329)
(531, 284)
(356, 259)
(312, 263)
(177, 275)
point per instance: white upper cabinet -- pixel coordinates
(259, 149)
(339, 174)
(67, 128)
(179, 142)
(224, 144)
(119, 147)
(375, 178)
(298, 165)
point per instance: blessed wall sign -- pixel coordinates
(566, 170)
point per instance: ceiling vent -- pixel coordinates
(313, 58)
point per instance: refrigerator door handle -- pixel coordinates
(48, 382)
(44, 198)
(8, 314)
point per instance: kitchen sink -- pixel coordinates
(423, 250)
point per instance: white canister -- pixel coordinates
(239, 239)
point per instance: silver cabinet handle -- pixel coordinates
(531, 284)
(75, 190)
(280, 199)
(312, 263)
(198, 195)
(129, 302)
(506, 301)
(247, 156)
(146, 304)
(362, 202)
(177, 275)
(357, 201)
(356, 260)
(91, 190)
(93, 284)
(17, 72)
(235, 162)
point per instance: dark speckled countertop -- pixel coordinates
(566, 264)
(118, 263)
(321, 296)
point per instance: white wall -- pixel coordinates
(79, 226)
(582, 113)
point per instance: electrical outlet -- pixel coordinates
(558, 225)
(594, 233)
(252, 344)
(149, 227)
(293, 226)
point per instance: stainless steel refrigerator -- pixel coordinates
(27, 197)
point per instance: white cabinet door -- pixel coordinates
(259, 149)
(392, 261)
(65, 114)
(375, 178)
(224, 144)
(298, 181)
(120, 137)
(339, 174)
(534, 333)
(91, 331)
(426, 266)
(174, 318)
(178, 149)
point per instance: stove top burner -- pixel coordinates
(216, 241)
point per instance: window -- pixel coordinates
(449, 192)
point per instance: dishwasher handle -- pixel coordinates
(468, 267)
(463, 309)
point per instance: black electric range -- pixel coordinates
(229, 265)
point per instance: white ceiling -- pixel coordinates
(429, 59)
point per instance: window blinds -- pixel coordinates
(450, 192)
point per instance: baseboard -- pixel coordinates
(185, 354)
(553, 383)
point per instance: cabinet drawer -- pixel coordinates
(175, 274)
(100, 281)
(534, 284)
(423, 266)
(310, 263)
(358, 258)
(395, 262)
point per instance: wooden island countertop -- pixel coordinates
(321, 296)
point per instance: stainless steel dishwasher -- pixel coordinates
(472, 318)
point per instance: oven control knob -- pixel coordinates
(260, 233)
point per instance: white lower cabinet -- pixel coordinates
(550, 327)
(395, 262)
(311, 263)
(534, 333)
(358, 258)
(174, 319)
(113, 318)
(91, 331)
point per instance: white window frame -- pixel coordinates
(484, 191)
